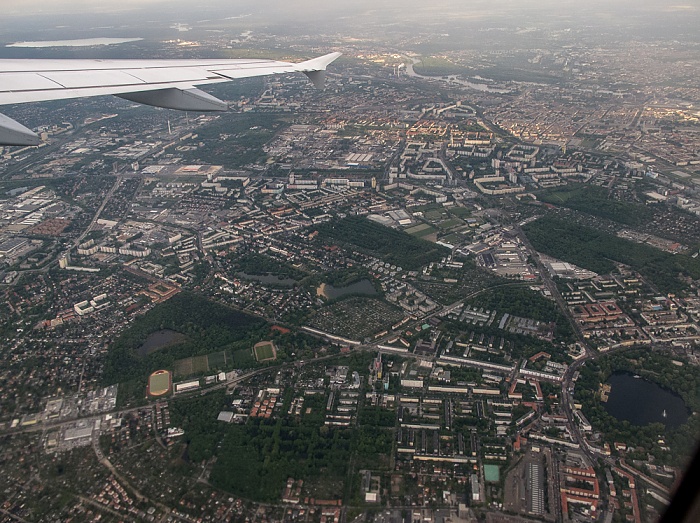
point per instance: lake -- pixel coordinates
(83, 42)
(360, 287)
(271, 279)
(642, 402)
(159, 340)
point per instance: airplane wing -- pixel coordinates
(161, 83)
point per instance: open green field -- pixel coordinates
(437, 66)
(243, 358)
(436, 215)
(491, 473)
(183, 367)
(460, 212)
(453, 238)
(417, 228)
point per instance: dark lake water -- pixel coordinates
(271, 279)
(642, 402)
(160, 339)
(360, 287)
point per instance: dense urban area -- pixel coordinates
(453, 286)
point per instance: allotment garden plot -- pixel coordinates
(356, 318)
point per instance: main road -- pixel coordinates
(567, 381)
(105, 201)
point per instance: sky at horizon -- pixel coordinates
(36, 20)
(342, 7)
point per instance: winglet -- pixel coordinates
(315, 68)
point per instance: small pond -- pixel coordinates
(642, 402)
(159, 340)
(360, 287)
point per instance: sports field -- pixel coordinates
(492, 473)
(451, 223)
(265, 350)
(159, 383)
(421, 230)
(193, 365)
(200, 364)
(218, 360)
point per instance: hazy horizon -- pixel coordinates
(309, 10)
(442, 24)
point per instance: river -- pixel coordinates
(453, 79)
(642, 402)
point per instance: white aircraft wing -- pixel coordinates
(161, 83)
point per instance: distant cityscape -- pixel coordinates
(422, 295)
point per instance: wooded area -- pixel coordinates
(594, 200)
(208, 326)
(259, 265)
(395, 247)
(597, 251)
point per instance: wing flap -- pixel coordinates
(318, 64)
(180, 99)
(81, 79)
(20, 81)
(247, 72)
(170, 75)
